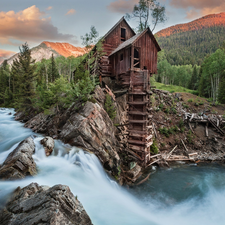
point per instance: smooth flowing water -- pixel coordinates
(179, 196)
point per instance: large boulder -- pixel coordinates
(48, 144)
(86, 125)
(19, 162)
(36, 204)
(92, 129)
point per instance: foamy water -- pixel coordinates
(191, 198)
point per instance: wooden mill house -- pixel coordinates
(130, 59)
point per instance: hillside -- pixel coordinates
(46, 49)
(189, 43)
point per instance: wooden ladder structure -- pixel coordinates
(140, 125)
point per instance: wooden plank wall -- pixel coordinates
(148, 53)
(113, 40)
(120, 67)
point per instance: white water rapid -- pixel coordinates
(105, 202)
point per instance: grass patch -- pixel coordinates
(172, 88)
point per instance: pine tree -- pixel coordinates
(4, 83)
(53, 73)
(193, 84)
(221, 94)
(23, 76)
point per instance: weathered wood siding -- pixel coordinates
(113, 40)
(148, 53)
(121, 66)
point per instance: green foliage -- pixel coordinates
(154, 148)
(192, 46)
(171, 88)
(23, 76)
(190, 137)
(83, 88)
(166, 110)
(190, 100)
(212, 73)
(181, 123)
(109, 107)
(142, 12)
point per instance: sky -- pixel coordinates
(35, 21)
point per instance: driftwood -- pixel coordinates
(145, 179)
(186, 150)
(155, 156)
(170, 153)
(191, 128)
(154, 162)
(206, 130)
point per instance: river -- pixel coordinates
(185, 194)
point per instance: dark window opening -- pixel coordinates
(123, 34)
(136, 58)
(145, 67)
(121, 57)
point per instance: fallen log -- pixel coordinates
(170, 153)
(186, 150)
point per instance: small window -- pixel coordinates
(123, 34)
(121, 57)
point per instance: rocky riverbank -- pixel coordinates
(88, 125)
(35, 204)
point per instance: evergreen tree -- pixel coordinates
(4, 84)
(53, 73)
(193, 84)
(221, 94)
(23, 74)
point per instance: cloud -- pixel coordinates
(122, 6)
(125, 6)
(29, 25)
(199, 7)
(71, 11)
(4, 54)
(49, 8)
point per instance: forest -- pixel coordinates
(38, 86)
(191, 47)
(207, 80)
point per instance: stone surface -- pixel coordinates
(84, 125)
(41, 205)
(19, 162)
(48, 144)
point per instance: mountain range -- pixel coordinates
(46, 49)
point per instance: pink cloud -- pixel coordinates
(122, 6)
(199, 7)
(71, 11)
(29, 25)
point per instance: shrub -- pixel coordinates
(109, 107)
(190, 100)
(154, 149)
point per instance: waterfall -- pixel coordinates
(104, 200)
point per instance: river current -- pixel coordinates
(185, 194)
